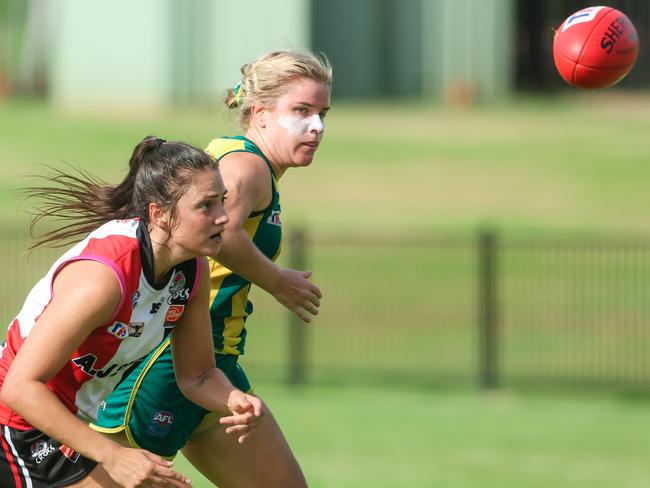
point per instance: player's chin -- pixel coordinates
(304, 158)
(305, 154)
(212, 247)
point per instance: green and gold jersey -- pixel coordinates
(229, 292)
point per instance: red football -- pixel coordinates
(595, 47)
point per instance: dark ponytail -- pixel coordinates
(159, 172)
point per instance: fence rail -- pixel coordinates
(486, 309)
(476, 309)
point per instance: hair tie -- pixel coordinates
(238, 92)
(157, 143)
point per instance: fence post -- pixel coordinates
(487, 313)
(297, 331)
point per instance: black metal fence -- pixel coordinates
(484, 309)
(474, 309)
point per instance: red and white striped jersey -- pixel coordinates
(144, 316)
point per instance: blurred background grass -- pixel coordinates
(538, 166)
(575, 162)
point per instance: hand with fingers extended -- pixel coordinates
(246, 411)
(133, 468)
(295, 291)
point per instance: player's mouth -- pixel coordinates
(216, 237)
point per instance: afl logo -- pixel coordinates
(163, 418)
(119, 330)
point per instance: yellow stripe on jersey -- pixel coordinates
(218, 272)
(235, 323)
(251, 225)
(218, 147)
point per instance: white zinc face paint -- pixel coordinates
(316, 124)
(298, 126)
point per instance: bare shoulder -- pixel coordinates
(244, 166)
(97, 279)
(86, 294)
(247, 179)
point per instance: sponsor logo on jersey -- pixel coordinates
(178, 283)
(155, 307)
(174, 314)
(274, 218)
(68, 452)
(584, 15)
(184, 295)
(178, 290)
(87, 364)
(119, 330)
(135, 329)
(40, 450)
(135, 296)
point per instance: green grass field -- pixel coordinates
(387, 437)
(536, 167)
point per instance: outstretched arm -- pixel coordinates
(71, 316)
(249, 188)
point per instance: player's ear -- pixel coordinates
(158, 216)
(258, 115)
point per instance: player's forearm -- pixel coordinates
(43, 410)
(211, 389)
(241, 256)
